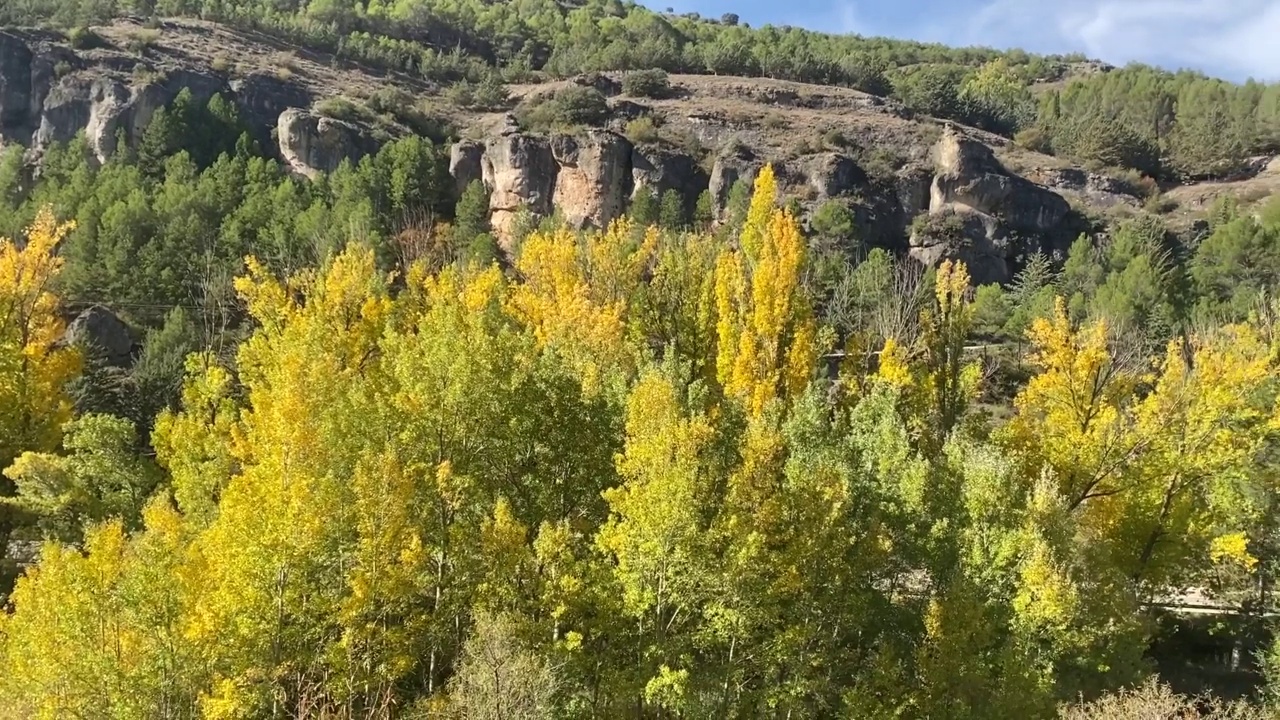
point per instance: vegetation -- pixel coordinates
(371, 462)
(612, 481)
(646, 83)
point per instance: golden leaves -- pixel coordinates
(767, 345)
(33, 367)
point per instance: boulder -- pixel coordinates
(968, 174)
(982, 214)
(970, 236)
(593, 177)
(831, 174)
(605, 84)
(312, 144)
(101, 334)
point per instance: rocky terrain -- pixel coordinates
(919, 186)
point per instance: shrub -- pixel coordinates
(61, 68)
(1035, 138)
(221, 64)
(835, 139)
(643, 130)
(82, 38)
(141, 40)
(1154, 700)
(647, 83)
(569, 106)
(340, 108)
(881, 163)
(774, 121)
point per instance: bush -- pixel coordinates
(647, 83)
(643, 130)
(141, 40)
(1155, 700)
(221, 64)
(1036, 139)
(340, 108)
(569, 106)
(835, 139)
(82, 38)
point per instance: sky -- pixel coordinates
(1234, 39)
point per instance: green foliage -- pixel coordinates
(647, 83)
(931, 89)
(99, 476)
(568, 107)
(471, 214)
(643, 130)
(645, 209)
(995, 98)
(83, 38)
(834, 221)
(671, 211)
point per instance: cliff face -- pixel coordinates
(714, 133)
(992, 216)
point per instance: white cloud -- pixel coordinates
(1238, 38)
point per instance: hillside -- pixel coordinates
(830, 145)
(558, 360)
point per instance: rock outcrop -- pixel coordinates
(312, 144)
(981, 213)
(659, 169)
(1096, 189)
(520, 173)
(466, 163)
(736, 163)
(593, 177)
(831, 174)
(589, 179)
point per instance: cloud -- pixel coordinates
(1236, 38)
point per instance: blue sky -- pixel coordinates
(1235, 39)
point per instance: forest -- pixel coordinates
(363, 462)
(658, 470)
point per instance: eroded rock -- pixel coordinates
(312, 144)
(593, 177)
(981, 213)
(101, 334)
(520, 172)
(466, 163)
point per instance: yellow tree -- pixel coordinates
(33, 368)
(1153, 466)
(575, 294)
(101, 633)
(767, 342)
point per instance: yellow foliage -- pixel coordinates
(33, 369)
(1233, 548)
(575, 295)
(767, 342)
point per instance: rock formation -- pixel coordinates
(981, 213)
(312, 144)
(520, 173)
(593, 177)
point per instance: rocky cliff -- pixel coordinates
(826, 144)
